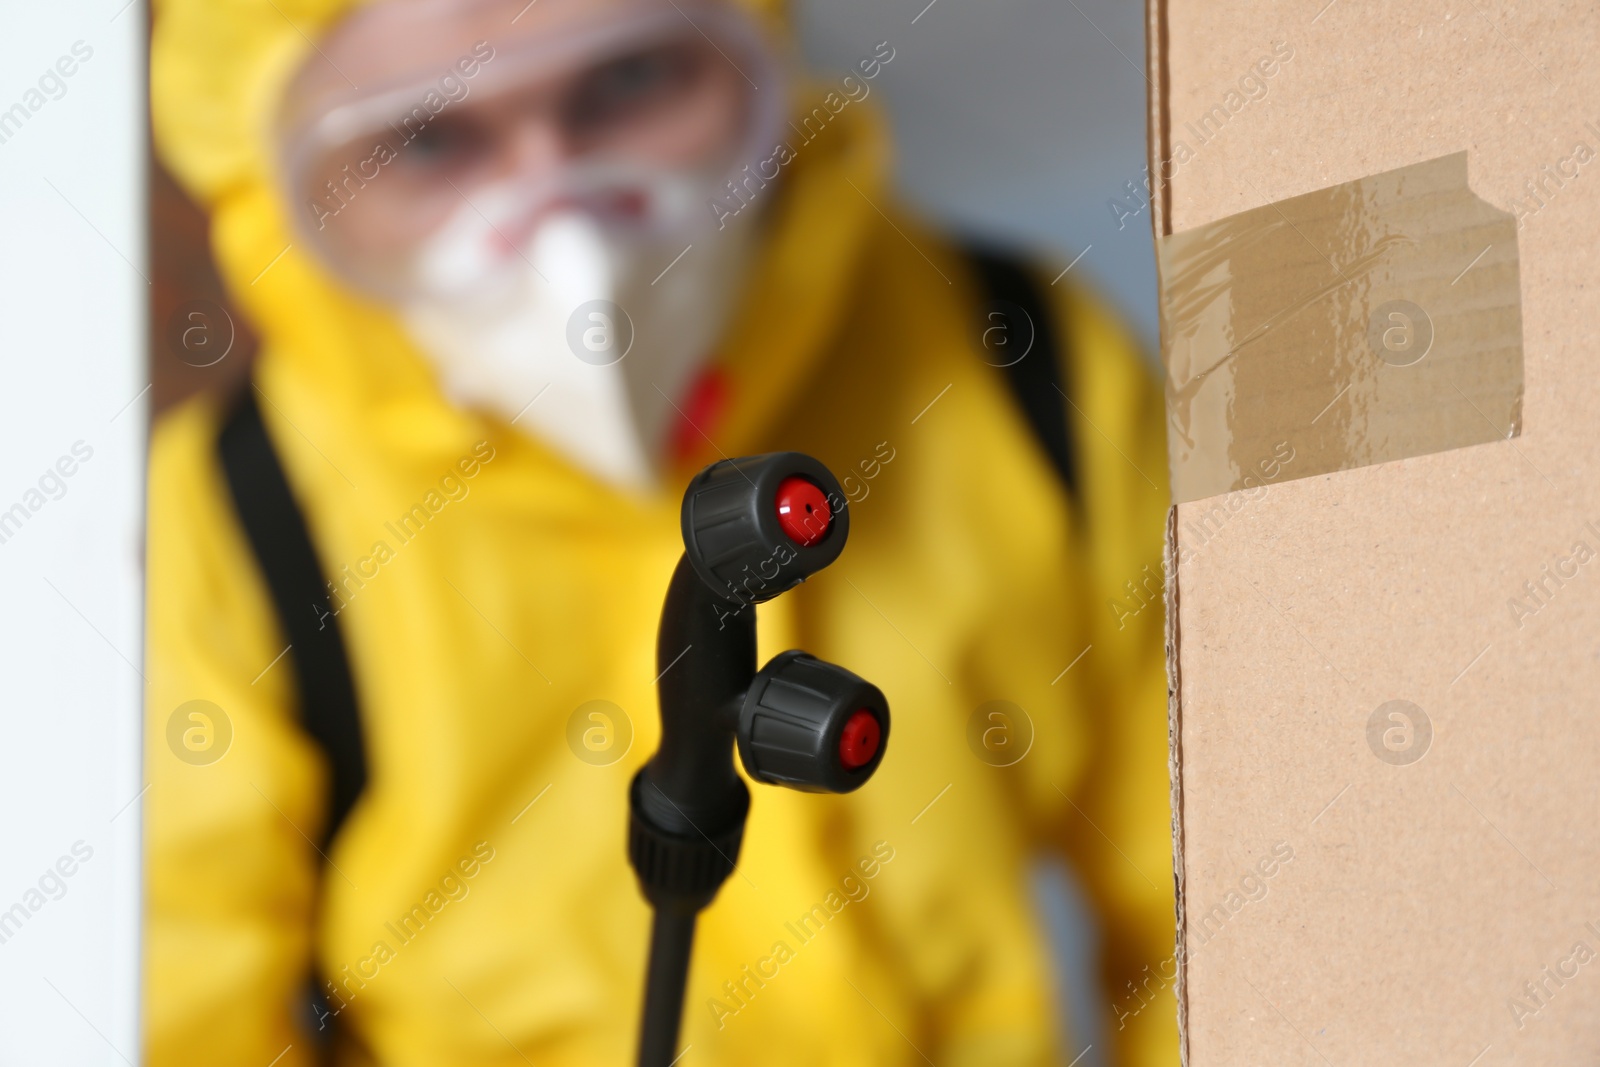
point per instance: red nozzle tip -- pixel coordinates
(858, 744)
(803, 512)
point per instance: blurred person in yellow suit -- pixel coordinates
(521, 269)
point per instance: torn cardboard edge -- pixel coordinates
(1370, 321)
(1175, 778)
(1158, 117)
(1157, 140)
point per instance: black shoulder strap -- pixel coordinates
(277, 532)
(1038, 378)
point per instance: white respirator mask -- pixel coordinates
(583, 329)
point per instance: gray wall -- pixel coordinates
(1014, 118)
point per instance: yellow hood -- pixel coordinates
(218, 70)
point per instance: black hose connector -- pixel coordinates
(679, 870)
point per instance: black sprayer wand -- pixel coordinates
(752, 528)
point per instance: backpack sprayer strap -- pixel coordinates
(1037, 378)
(278, 535)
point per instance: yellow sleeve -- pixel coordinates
(1117, 831)
(234, 789)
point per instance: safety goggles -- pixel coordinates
(570, 103)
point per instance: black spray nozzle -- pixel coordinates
(753, 528)
(757, 527)
(812, 726)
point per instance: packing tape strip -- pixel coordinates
(1362, 323)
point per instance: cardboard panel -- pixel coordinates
(1385, 743)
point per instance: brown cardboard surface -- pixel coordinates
(1385, 729)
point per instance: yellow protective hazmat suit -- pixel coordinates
(477, 908)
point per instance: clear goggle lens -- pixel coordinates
(691, 90)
